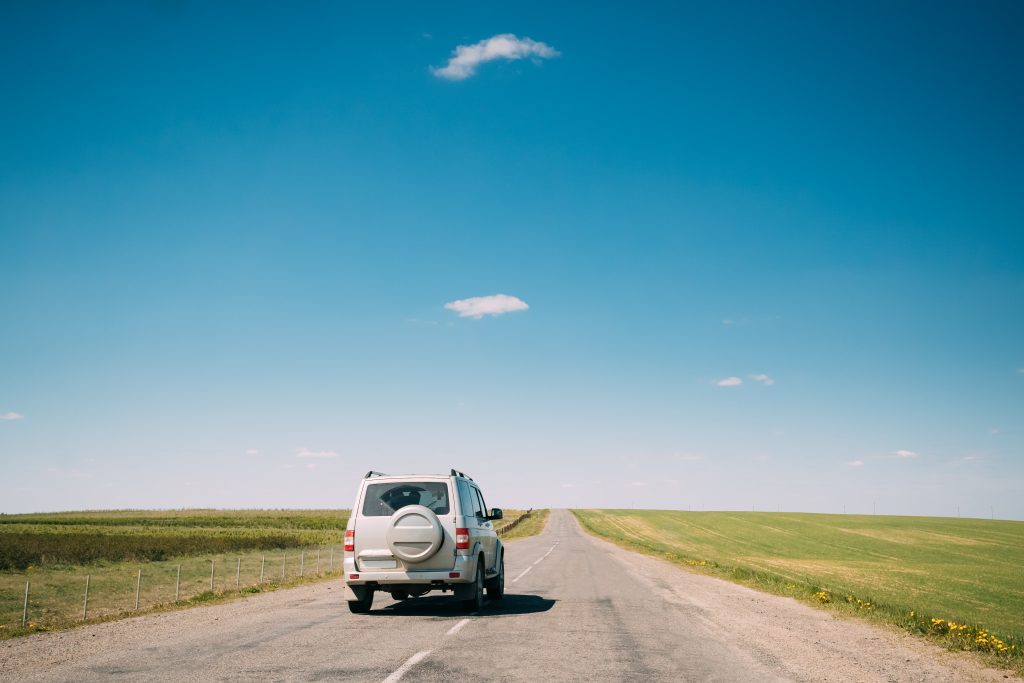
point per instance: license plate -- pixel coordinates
(377, 564)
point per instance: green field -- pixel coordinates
(905, 570)
(176, 551)
(76, 538)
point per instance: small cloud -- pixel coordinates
(306, 453)
(310, 465)
(972, 457)
(906, 454)
(728, 322)
(478, 306)
(466, 58)
(729, 382)
(251, 451)
(763, 379)
(855, 463)
(1020, 371)
(639, 483)
(11, 416)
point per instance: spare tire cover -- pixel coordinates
(415, 534)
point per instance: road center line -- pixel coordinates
(458, 627)
(409, 663)
(523, 574)
(539, 560)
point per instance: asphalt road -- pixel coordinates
(576, 609)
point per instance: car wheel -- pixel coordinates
(363, 604)
(496, 586)
(400, 594)
(476, 603)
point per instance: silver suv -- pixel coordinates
(411, 534)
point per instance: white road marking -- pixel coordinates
(409, 663)
(523, 574)
(458, 627)
(539, 560)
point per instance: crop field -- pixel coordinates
(184, 556)
(960, 579)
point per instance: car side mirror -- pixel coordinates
(496, 513)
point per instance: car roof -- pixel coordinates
(406, 477)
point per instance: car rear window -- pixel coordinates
(382, 500)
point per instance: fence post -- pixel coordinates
(318, 561)
(263, 563)
(213, 565)
(177, 584)
(238, 572)
(138, 588)
(24, 610)
(302, 563)
(332, 558)
(284, 560)
(85, 605)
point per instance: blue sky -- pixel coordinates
(228, 234)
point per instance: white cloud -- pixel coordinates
(251, 451)
(855, 463)
(639, 483)
(310, 465)
(1020, 371)
(306, 453)
(764, 379)
(466, 58)
(479, 306)
(729, 382)
(11, 416)
(906, 454)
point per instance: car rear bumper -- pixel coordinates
(464, 566)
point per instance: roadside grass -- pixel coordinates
(528, 527)
(955, 581)
(53, 620)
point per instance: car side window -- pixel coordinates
(481, 507)
(466, 498)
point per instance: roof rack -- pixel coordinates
(456, 473)
(373, 473)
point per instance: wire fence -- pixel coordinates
(51, 597)
(514, 523)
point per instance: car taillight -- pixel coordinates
(350, 541)
(462, 539)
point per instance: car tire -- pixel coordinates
(363, 604)
(496, 586)
(476, 603)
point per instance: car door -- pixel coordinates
(488, 538)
